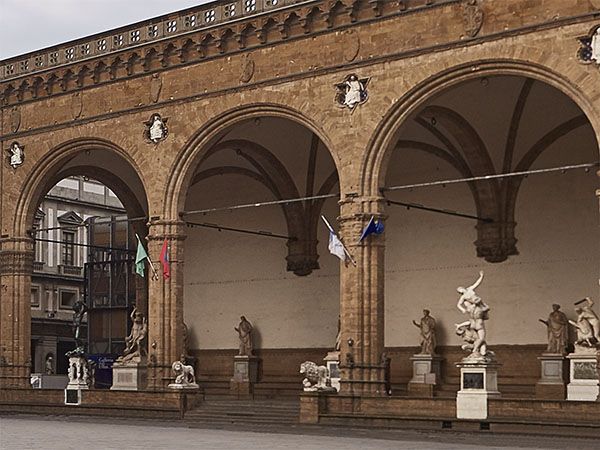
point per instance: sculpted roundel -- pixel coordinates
(156, 128)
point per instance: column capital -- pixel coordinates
(171, 229)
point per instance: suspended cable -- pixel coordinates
(77, 244)
(239, 230)
(441, 211)
(256, 205)
(85, 224)
(563, 169)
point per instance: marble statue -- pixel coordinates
(79, 310)
(558, 330)
(585, 332)
(596, 46)
(156, 129)
(244, 330)
(473, 330)
(590, 315)
(427, 327)
(17, 155)
(135, 343)
(316, 377)
(354, 90)
(49, 365)
(184, 374)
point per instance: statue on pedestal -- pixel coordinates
(473, 330)
(244, 330)
(558, 330)
(591, 316)
(427, 327)
(135, 343)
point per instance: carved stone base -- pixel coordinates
(584, 385)
(426, 375)
(551, 385)
(245, 374)
(478, 383)
(130, 377)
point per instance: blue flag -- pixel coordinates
(372, 227)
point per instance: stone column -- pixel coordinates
(165, 303)
(16, 265)
(361, 302)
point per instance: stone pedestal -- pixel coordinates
(332, 360)
(551, 385)
(130, 376)
(79, 378)
(583, 373)
(478, 383)
(245, 374)
(426, 375)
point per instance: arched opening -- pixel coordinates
(87, 209)
(535, 236)
(269, 261)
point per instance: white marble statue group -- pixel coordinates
(473, 332)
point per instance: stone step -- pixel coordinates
(227, 410)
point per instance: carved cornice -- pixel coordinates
(187, 36)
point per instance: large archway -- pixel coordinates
(53, 243)
(280, 276)
(536, 237)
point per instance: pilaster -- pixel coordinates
(165, 303)
(362, 360)
(16, 265)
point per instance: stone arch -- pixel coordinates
(195, 149)
(47, 172)
(302, 218)
(373, 168)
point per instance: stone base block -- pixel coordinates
(584, 385)
(550, 391)
(478, 383)
(73, 396)
(241, 388)
(473, 405)
(43, 381)
(130, 377)
(420, 389)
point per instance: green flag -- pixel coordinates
(139, 257)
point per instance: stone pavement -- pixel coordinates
(28, 432)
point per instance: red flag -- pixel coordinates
(164, 260)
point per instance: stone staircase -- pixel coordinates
(224, 410)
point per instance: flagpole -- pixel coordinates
(154, 272)
(343, 246)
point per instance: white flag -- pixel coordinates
(336, 247)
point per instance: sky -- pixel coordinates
(29, 25)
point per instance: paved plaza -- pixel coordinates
(20, 432)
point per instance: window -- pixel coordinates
(24, 65)
(70, 53)
(171, 26)
(35, 297)
(118, 40)
(39, 61)
(67, 299)
(101, 45)
(53, 57)
(135, 36)
(68, 248)
(250, 5)
(153, 31)
(85, 49)
(229, 10)
(209, 16)
(190, 21)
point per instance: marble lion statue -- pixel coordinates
(184, 373)
(316, 377)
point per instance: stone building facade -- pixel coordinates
(187, 116)
(57, 280)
